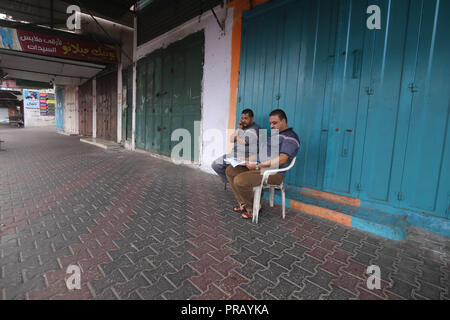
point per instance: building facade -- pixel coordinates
(365, 86)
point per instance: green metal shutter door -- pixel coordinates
(424, 144)
(166, 101)
(170, 91)
(59, 108)
(192, 97)
(141, 76)
(154, 121)
(379, 97)
(149, 103)
(306, 73)
(179, 96)
(347, 100)
(285, 63)
(383, 59)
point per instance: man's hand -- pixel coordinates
(250, 165)
(272, 163)
(234, 136)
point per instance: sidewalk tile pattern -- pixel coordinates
(144, 228)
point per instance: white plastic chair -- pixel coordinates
(264, 185)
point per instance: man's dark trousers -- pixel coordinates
(219, 166)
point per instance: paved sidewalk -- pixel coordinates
(143, 228)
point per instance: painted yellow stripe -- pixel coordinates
(348, 201)
(238, 6)
(322, 212)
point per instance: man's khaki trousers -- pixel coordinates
(242, 180)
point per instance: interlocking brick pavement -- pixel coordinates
(143, 228)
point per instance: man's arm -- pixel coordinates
(251, 158)
(282, 159)
(234, 137)
(239, 140)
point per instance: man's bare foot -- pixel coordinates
(239, 208)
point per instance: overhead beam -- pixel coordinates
(32, 5)
(58, 80)
(222, 27)
(21, 15)
(49, 59)
(51, 14)
(41, 72)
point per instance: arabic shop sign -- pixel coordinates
(28, 41)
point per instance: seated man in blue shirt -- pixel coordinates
(243, 179)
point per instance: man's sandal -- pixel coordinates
(240, 208)
(249, 215)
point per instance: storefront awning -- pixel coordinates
(22, 65)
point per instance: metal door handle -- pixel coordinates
(346, 143)
(413, 87)
(356, 63)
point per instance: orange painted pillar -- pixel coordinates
(238, 6)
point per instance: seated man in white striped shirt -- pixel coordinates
(241, 139)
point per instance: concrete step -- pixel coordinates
(346, 211)
(101, 143)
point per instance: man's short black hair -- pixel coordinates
(280, 113)
(249, 112)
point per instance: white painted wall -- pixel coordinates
(3, 115)
(133, 112)
(71, 110)
(216, 73)
(119, 103)
(216, 86)
(33, 118)
(94, 108)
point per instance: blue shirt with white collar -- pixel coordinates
(287, 142)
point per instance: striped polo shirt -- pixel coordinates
(288, 143)
(251, 136)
